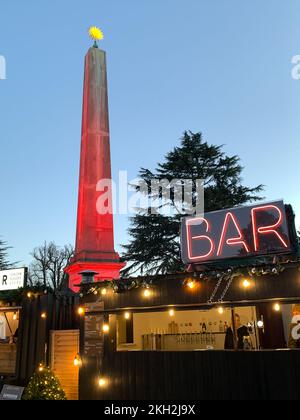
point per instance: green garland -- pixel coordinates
(117, 286)
(17, 296)
(125, 285)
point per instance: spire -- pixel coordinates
(94, 249)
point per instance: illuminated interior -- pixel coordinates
(192, 330)
(9, 324)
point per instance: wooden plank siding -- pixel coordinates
(34, 332)
(169, 290)
(184, 376)
(64, 348)
(8, 357)
(225, 375)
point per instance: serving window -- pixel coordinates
(189, 330)
(265, 326)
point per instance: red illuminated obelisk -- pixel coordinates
(94, 249)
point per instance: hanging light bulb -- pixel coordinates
(260, 324)
(127, 315)
(147, 293)
(102, 382)
(171, 312)
(246, 284)
(77, 361)
(29, 295)
(221, 311)
(191, 284)
(43, 315)
(277, 307)
(105, 328)
(81, 311)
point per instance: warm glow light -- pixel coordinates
(127, 315)
(102, 382)
(104, 292)
(15, 316)
(171, 312)
(277, 307)
(41, 368)
(221, 311)
(29, 295)
(147, 293)
(44, 315)
(191, 284)
(81, 311)
(246, 284)
(77, 361)
(260, 324)
(105, 328)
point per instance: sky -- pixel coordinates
(215, 66)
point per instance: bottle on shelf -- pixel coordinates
(221, 327)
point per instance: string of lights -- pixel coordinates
(189, 281)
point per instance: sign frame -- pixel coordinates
(251, 231)
(13, 279)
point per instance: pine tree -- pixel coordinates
(44, 386)
(155, 247)
(4, 263)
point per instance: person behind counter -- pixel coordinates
(241, 333)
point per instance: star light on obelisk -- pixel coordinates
(96, 35)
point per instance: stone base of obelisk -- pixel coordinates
(106, 269)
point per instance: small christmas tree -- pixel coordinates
(44, 386)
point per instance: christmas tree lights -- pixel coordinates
(44, 386)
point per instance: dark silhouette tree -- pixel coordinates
(4, 261)
(47, 267)
(154, 247)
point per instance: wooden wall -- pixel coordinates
(64, 348)
(34, 332)
(170, 291)
(8, 356)
(196, 375)
(224, 375)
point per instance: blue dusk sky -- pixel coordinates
(216, 66)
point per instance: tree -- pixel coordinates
(4, 262)
(44, 386)
(155, 247)
(49, 262)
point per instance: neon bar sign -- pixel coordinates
(236, 233)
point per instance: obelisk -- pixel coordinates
(94, 249)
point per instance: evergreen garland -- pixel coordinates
(17, 296)
(228, 273)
